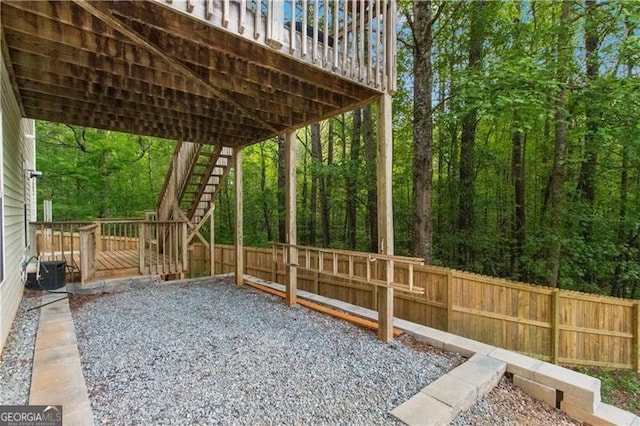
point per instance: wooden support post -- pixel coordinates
(555, 325)
(239, 231)
(185, 252)
(99, 236)
(385, 214)
(290, 216)
(212, 242)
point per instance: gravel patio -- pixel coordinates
(208, 353)
(215, 354)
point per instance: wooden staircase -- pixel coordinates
(193, 181)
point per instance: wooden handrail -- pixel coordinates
(404, 259)
(322, 254)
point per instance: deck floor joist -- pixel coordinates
(142, 68)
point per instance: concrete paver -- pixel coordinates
(423, 410)
(536, 390)
(517, 364)
(585, 389)
(57, 377)
(458, 394)
(467, 347)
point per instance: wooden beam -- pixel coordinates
(239, 236)
(385, 214)
(290, 216)
(212, 241)
(128, 124)
(135, 79)
(142, 42)
(148, 114)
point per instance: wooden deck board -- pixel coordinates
(112, 260)
(107, 262)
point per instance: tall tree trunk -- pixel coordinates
(263, 189)
(422, 131)
(324, 192)
(587, 180)
(517, 173)
(466, 213)
(282, 232)
(558, 174)
(370, 153)
(618, 284)
(519, 218)
(316, 155)
(304, 235)
(352, 180)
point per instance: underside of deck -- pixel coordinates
(140, 67)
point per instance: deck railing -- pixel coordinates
(116, 234)
(57, 241)
(361, 267)
(353, 38)
(184, 158)
(163, 247)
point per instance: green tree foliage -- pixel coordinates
(92, 173)
(543, 70)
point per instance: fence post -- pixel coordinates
(636, 335)
(98, 236)
(274, 263)
(555, 325)
(450, 301)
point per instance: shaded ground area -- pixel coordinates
(205, 353)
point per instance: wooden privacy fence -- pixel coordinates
(560, 326)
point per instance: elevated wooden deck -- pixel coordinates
(113, 248)
(212, 72)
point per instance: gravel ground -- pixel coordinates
(205, 354)
(17, 356)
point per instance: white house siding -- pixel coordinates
(18, 150)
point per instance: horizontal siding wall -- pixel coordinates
(15, 150)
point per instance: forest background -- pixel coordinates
(516, 151)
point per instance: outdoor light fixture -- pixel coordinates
(35, 174)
